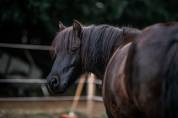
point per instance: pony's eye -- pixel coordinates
(74, 49)
(75, 45)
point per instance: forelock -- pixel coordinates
(62, 40)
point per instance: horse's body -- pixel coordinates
(141, 79)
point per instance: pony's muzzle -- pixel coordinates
(54, 82)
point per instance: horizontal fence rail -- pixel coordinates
(26, 46)
(37, 81)
(61, 98)
(23, 81)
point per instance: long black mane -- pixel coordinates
(97, 43)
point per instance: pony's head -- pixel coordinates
(66, 67)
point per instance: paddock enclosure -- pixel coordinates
(27, 96)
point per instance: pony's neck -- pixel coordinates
(99, 44)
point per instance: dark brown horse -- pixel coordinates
(141, 79)
(81, 49)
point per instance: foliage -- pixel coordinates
(39, 18)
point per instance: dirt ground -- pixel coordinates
(47, 109)
(6, 114)
(10, 114)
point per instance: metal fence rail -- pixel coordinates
(61, 98)
(36, 81)
(24, 81)
(26, 46)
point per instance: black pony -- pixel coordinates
(141, 79)
(80, 49)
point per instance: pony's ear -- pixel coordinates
(77, 27)
(61, 26)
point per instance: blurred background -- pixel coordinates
(27, 28)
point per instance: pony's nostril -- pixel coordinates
(54, 81)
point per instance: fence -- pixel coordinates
(41, 82)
